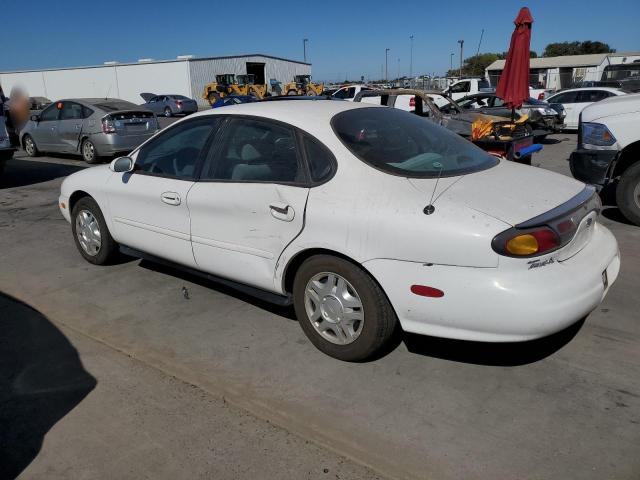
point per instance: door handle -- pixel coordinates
(282, 211)
(170, 198)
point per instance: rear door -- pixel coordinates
(70, 125)
(148, 207)
(250, 201)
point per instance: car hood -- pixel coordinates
(509, 192)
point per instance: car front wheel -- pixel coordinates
(341, 309)
(628, 193)
(91, 234)
(30, 146)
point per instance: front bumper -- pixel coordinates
(592, 166)
(499, 304)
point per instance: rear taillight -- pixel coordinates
(541, 96)
(412, 102)
(534, 242)
(108, 126)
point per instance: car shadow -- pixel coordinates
(41, 380)
(550, 141)
(614, 214)
(510, 354)
(20, 173)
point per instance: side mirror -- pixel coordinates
(121, 165)
(35, 118)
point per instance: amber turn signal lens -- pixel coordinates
(522, 245)
(62, 205)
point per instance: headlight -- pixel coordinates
(597, 134)
(546, 111)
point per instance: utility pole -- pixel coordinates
(451, 62)
(304, 48)
(480, 42)
(398, 70)
(386, 64)
(411, 58)
(461, 42)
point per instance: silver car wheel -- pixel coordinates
(88, 151)
(167, 112)
(636, 194)
(334, 308)
(88, 232)
(29, 146)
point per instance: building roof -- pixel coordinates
(591, 60)
(146, 62)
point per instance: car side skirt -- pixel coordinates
(274, 298)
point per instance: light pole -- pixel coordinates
(451, 62)
(304, 48)
(461, 42)
(411, 58)
(386, 64)
(398, 71)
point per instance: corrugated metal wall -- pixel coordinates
(203, 71)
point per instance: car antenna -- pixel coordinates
(107, 94)
(429, 209)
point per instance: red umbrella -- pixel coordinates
(513, 86)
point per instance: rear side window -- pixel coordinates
(256, 151)
(567, 97)
(320, 160)
(175, 152)
(401, 143)
(71, 111)
(589, 96)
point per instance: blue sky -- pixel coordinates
(342, 40)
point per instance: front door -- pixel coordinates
(148, 206)
(249, 203)
(45, 131)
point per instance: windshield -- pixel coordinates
(401, 143)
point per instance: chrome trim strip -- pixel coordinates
(582, 199)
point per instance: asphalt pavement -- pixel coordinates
(563, 407)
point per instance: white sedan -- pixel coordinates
(366, 218)
(575, 100)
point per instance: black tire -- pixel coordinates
(292, 92)
(213, 97)
(379, 322)
(167, 112)
(628, 193)
(89, 152)
(30, 146)
(108, 248)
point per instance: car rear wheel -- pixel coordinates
(30, 146)
(292, 92)
(167, 112)
(341, 309)
(628, 193)
(89, 153)
(91, 234)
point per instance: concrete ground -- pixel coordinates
(563, 407)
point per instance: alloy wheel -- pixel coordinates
(88, 151)
(88, 232)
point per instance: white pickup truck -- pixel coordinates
(608, 150)
(471, 86)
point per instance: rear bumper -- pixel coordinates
(592, 166)
(112, 144)
(492, 305)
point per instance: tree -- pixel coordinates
(576, 48)
(475, 66)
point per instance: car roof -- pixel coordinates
(606, 89)
(312, 116)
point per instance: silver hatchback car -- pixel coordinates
(91, 127)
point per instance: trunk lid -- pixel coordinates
(509, 192)
(147, 96)
(133, 122)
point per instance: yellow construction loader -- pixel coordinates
(230, 84)
(302, 85)
(247, 83)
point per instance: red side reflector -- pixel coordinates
(425, 291)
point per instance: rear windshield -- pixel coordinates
(402, 143)
(179, 97)
(115, 106)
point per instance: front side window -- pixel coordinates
(256, 151)
(71, 111)
(49, 113)
(175, 152)
(461, 87)
(400, 143)
(567, 97)
(342, 93)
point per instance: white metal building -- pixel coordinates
(560, 72)
(185, 75)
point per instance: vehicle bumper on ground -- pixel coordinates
(592, 166)
(113, 144)
(492, 305)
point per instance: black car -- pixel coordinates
(544, 118)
